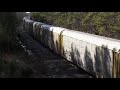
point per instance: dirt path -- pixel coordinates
(44, 62)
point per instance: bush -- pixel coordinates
(100, 23)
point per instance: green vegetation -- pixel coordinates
(100, 23)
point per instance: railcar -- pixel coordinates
(35, 29)
(75, 50)
(30, 25)
(46, 35)
(95, 54)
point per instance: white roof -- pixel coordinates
(94, 39)
(57, 29)
(53, 28)
(27, 12)
(45, 26)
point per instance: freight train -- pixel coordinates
(92, 53)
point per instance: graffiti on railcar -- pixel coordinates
(116, 64)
